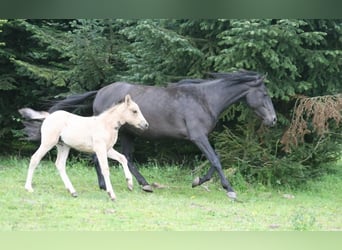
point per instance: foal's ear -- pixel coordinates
(128, 99)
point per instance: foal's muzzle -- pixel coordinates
(144, 125)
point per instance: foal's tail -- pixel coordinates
(34, 119)
(33, 123)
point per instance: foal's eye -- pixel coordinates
(135, 111)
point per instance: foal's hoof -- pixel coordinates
(147, 188)
(196, 182)
(74, 194)
(130, 185)
(112, 196)
(30, 190)
(232, 195)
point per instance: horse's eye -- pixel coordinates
(135, 111)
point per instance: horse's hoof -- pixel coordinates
(74, 194)
(147, 188)
(158, 186)
(196, 182)
(232, 195)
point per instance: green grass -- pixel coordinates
(176, 207)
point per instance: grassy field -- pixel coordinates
(175, 207)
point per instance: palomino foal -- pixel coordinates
(96, 134)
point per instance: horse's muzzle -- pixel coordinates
(271, 122)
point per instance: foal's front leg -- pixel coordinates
(101, 154)
(115, 155)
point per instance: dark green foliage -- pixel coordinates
(300, 57)
(31, 71)
(41, 60)
(257, 154)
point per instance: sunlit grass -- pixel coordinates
(175, 207)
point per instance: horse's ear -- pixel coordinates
(128, 99)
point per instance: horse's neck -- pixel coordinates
(220, 95)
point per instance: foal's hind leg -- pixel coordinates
(62, 155)
(35, 159)
(112, 154)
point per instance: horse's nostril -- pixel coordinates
(274, 121)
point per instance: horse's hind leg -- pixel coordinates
(35, 159)
(103, 161)
(112, 154)
(62, 155)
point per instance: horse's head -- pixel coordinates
(133, 115)
(259, 100)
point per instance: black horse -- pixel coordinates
(186, 110)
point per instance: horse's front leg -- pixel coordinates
(102, 184)
(204, 145)
(114, 155)
(127, 145)
(101, 154)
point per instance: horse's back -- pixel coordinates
(164, 108)
(109, 95)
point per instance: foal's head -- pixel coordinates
(132, 114)
(259, 100)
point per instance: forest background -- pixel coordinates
(47, 59)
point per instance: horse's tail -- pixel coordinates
(33, 123)
(72, 102)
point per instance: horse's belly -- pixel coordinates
(162, 131)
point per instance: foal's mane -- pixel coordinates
(113, 107)
(237, 77)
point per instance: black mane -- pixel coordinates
(238, 76)
(234, 78)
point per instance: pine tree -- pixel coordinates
(32, 66)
